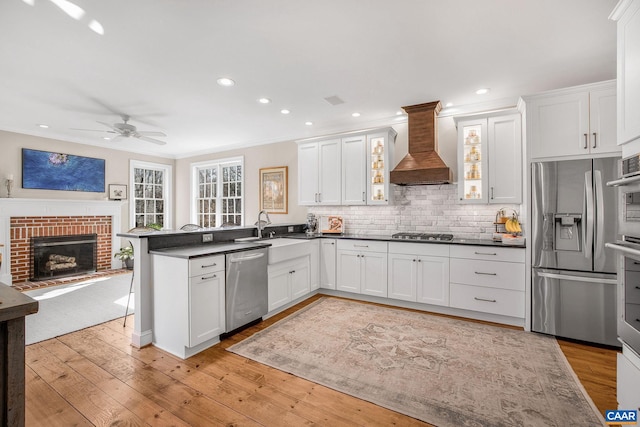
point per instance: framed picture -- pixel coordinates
(273, 190)
(47, 170)
(117, 192)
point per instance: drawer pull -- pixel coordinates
(483, 299)
(207, 266)
(209, 277)
(360, 246)
(485, 253)
(486, 274)
(637, 287)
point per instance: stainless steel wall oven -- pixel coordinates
(628, 249)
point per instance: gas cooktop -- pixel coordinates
(422, 236)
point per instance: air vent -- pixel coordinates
(334, 100)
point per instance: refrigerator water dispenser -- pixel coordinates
(567, 236)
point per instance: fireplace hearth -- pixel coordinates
(61, 256)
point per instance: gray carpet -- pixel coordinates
(68, 308)
(444, 371)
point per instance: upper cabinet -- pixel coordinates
(319, 178)
(348, 169)
(490, 159)
(578, 121)
(627, 13)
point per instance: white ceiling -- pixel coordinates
(158, 62)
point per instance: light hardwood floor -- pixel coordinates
(94, 377)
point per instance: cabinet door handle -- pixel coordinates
(594, 140)
(486, 274)
(485, 253)
(484, 299)
(586, 142)
(491, 193)
(207, 266)
(364, 198)
(319, 197)
(209, 277)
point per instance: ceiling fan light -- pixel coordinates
(482, 91)
(71, 9)
(96, 27)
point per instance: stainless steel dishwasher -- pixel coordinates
(246, 287)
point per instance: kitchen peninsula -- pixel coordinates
(471, 278)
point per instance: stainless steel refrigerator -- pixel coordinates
(574, 276)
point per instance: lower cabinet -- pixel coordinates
(628, 379)
(188, 303)
(362, 267)
(419, 272)
(488, 279)
(328, 263)
(288, 280)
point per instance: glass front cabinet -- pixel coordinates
(380, 155)
(472, 170)
(490, 158)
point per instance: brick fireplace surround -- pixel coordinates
(23, 228)
(21, 219)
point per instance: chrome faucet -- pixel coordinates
(259, 223)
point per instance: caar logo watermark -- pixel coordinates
(621, 416)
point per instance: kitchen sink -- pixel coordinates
(283, 249)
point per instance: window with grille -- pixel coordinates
(219, 193)
(151, 194)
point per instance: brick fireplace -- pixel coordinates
(21, 219)
(23, 228)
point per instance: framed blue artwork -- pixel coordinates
(57, 171)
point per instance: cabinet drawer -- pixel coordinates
(491, 253)
(487, 300)
(426, 249)
(362, 245)
(503, 275)
(205, 265)
(628, 381)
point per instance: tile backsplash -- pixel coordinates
(420, 208)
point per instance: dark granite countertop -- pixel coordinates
(387, 238)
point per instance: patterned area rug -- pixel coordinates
(444, 371)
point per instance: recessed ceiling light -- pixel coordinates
(399, 113)
(308, 123)
(449, 104)
(96, 27)
(264, 100)
(106, 138)
(43, 126)
(482, 91)
(285, 111)
(225, 81)
(355, 114)
(29, 2)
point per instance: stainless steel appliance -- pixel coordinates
(628, 248)
(246, 287)
(573, 274)
(422, 236)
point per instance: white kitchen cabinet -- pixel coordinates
(379, 165)
(488, 279)
(328, 263)
(319, 174)
(349, 169)
(490, 159)
(193, 291)
(419, 272)
(627, 15)
(362, 267)
(354, 170)
(576, 121)
(628, 379)
(288, 280)
(314, 264)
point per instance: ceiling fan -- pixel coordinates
(126, 130)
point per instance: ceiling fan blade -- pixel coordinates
(94, 130)
(109, 126)
(115, 138)
(146, 138)
(150, 133)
